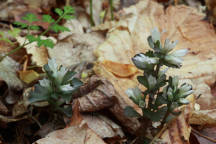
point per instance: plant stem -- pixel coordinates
(91, 13)
(166, 115)
(159, 134)
(111, 9)
(157, 69)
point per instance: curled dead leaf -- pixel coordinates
(119, 69)
(28, 76)
(100, 94)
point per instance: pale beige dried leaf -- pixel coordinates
(103, 126)
(76, 49)
(204, 117)
(72, 135)
(39, 54)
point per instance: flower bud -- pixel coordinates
(180, 53)
(142, 62)
(168, 45)
(155, 34)
(177, 61)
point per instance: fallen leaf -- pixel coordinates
(205, 135)
(72, 135)
(120, 70)
(8, 68)
(203, 117)
(77, 132)
(39, 54)
(28, 76)
(98, 94)
(76, 49)
(103, 126)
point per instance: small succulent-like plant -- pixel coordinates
(29, 24)
(57, 88)
(164, 94)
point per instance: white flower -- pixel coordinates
(53, 66)
(155, 35)
(175, 81)
(168, 45)
(185, 90)
(66, 88)
(60, 74)
(177, 61)
(180, 53)
(141, 61)
(45, 83)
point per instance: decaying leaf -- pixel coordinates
(120, 70)
(205, 135)
(39, 54)
(100, 94)
(8, 68)
(103, 126)
(72, 135)
(77, 132)
(204, 117)
(76, 49)
(28, 76)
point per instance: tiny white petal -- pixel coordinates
(44, 83)
(180, 53)
(67, 87)
(155, 35)
(173, 60)
(168, 45)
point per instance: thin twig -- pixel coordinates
(204, 136)
(159, 134)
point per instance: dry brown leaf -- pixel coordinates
(39, 54)
(76, 49)
(120, 70)
(205, 135)
(77, 132)
(72, 135)
(204, 117)
(28, 76)
(103, 126)
(98, 94)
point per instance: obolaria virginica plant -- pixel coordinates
(57, 88)
(164, 93)
(30, 19)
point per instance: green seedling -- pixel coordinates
(30, 19)
(57, 88)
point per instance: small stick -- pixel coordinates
(206, 137)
